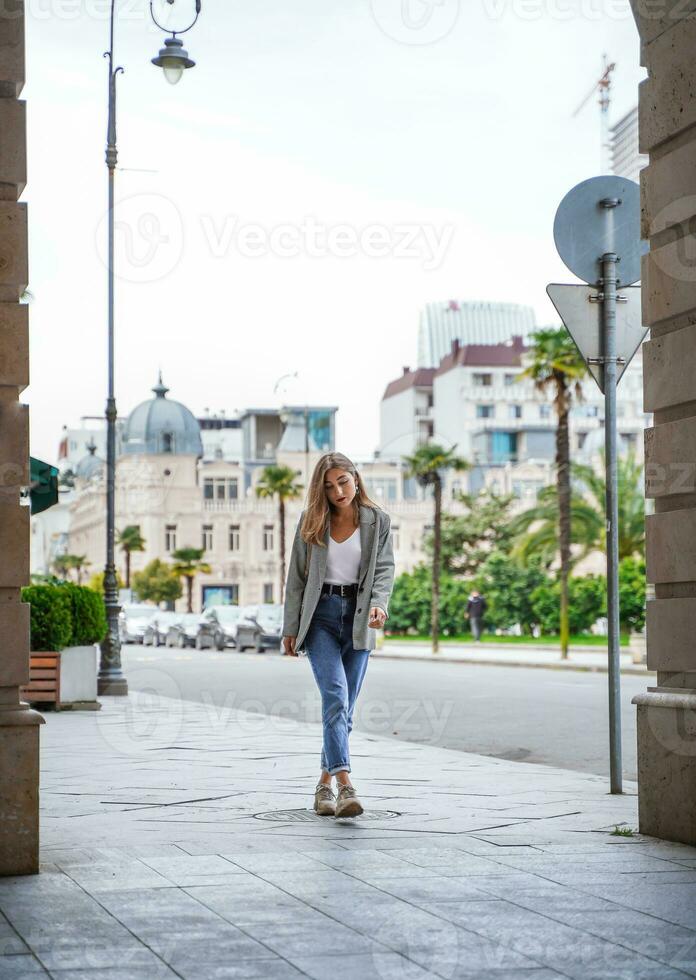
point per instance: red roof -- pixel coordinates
(420, 378)
(484, 355)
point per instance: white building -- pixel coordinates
(192, 482)
(626, 158)
(469, 323)
(475, 400)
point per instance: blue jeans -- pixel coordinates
(339, 670)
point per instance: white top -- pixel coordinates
(343, 561)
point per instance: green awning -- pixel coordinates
(44, 485)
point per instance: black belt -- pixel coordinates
(342, 590)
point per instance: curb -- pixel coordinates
(534, 664)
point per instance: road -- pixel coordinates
(530, 715)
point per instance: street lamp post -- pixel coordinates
(173, 59)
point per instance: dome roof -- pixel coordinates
(161, 425)
(90, 465)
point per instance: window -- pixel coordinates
(515, 411)
(483, 379)
(544, 411)
(381, 487)
(207, 489)
(396, 536)
(581, 439)
(485, 411)
(170, 537)
(232, 489)
(268, 591)
(268, 537)
(207, 537)
(509, 380)
(167, 442)
(220, 489)
(234, 538)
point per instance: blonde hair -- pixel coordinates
(318, 510)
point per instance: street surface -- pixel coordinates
(528, 715)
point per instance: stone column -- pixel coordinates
(19, 731)
(667, 712)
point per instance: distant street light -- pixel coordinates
(173, 59)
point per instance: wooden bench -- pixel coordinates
(44, 679)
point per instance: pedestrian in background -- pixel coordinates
(475, 610)
(340, 579)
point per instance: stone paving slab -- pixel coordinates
(178, 841)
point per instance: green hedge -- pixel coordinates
(64, 615)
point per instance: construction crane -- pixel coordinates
(602, 87)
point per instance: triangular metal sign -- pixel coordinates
(581, 312)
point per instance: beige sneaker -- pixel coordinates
(347, 803)
(324, 800)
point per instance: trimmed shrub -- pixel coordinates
(586, 603)
(51, 616)
(88, 615)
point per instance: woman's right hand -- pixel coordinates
(289, 646)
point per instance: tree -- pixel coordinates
(279, 481)
(536, 529)
(128, 540)
(188, 562)
(157, 582)
(631, 502)
(468, 539)
(428, 465)
(63, 564)
(96, 581)
(556, 366)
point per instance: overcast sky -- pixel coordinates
(325, 170)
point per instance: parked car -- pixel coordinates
(133, 621)
(260, 627)
(158, 627)
(183, 633)
(219, 626)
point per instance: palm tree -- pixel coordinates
(67, 563)
(130, 539)
(631, 499)
(536, 529)
(280, 481)
(428, 465)
(188, 562)
(556, 366)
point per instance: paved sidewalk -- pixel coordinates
(592, 659)
(177, 843)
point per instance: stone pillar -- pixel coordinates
(667, 712)
(19, 731)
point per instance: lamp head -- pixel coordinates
(173, 58)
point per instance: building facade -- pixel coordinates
(469, 323)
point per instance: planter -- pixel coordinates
(67, 679)
(78, 677)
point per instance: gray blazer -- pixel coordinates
(376, 579)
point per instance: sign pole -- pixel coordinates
(609, 299)
(597, 225)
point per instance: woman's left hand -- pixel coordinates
(378, 617)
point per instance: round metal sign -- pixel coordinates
(600, 215)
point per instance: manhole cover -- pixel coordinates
(308, 816)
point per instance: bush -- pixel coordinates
(50, 617)
(507, 585)
(88, 615)
(632, 593)
(586, 603)
(64, 615)
(410, 604)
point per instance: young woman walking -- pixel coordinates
(340, 578)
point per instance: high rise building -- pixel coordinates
(470, 323)
(626, 158)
